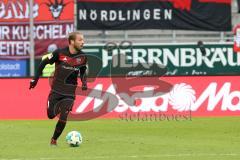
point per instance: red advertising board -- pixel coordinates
(197, 96)
(43, 10)
(53, 20)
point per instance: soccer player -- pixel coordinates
(69, 62)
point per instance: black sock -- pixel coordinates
(59, 128)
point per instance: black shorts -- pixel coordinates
(58, 103)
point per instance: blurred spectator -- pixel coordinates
(201, 47)
(51, 48)
(49, 68)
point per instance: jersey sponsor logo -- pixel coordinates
(70, 68)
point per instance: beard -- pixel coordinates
(77, 47)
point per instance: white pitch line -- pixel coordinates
(132, 156)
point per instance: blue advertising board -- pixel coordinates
(13, 68)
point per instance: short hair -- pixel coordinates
(72, 36)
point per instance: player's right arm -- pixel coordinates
(52, 58)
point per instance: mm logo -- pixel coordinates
(56, 7)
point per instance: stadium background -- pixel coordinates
(193, 114)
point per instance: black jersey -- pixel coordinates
(67, 68)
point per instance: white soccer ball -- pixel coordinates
(74, 138)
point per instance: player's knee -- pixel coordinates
(64, 114)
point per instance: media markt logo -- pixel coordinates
(213, 97)
(182, 97)
(56, 7)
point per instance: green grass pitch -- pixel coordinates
(115, 139)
